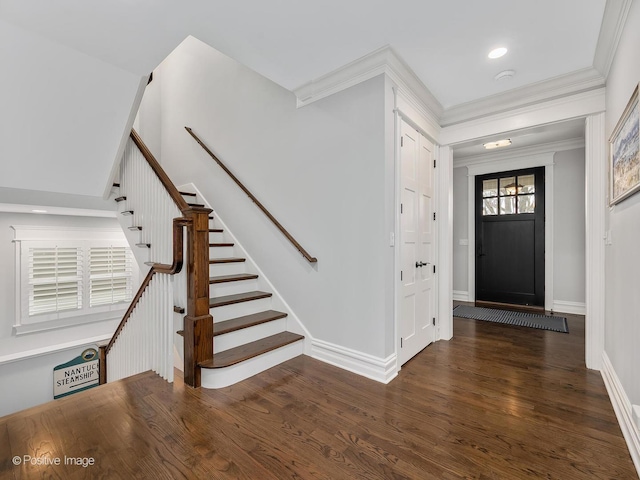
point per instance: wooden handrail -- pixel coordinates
(160, 173)
(175, 267)
(304, 253)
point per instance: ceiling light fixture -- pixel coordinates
(497, 144)
(497, 52)
(38, 211)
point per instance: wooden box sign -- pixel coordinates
(77, 375)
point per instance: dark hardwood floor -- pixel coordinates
(496, 402)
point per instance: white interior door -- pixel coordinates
(417, 221)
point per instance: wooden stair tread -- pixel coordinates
(127, 212)
(188, 194)
(237, 298)
(196, 204)
(221, 244)
(135, 228)
(215, 230)
(227, 260)
(250, 350)
(180, 332)
(143, 245)
(121, 199)
(246, 321)
(178, 309)
(233, 278)
(117, 185)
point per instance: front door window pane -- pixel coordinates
(490, 188)
(526, 203)
(507, 186)
(507, 205)
(490, 206)
(526, 184)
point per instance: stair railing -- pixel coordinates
(278, 225)
(144, 338)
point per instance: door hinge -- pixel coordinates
(434, 163)
(402, 141)
(434, 321)
(400, 208)
(400, 275)
(400, 342)
(434, 215)
(434, 269)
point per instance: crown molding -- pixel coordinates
(563, 85)
(511, 154)
(382, 61)
(613, 21)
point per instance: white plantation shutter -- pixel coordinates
(110, 272)
(54, 279)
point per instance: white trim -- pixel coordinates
(549, 209)
(553, 88)
(552, 111)
(379, 369)
(595, 209)
(444, 230)
(384, 60)
(553, 147)
(460, 296)
(565, 306)
(74, 212)
(503, 164)
(71, 321)
(623, 409)
(613, 21)
(44, 232)
(38, 352)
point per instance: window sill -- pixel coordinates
(26, 328)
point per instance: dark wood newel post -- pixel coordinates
(198, 324)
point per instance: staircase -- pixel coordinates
(249, 334)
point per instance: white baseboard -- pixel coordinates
(623, 408)
(460, 296)
(379, 369)
(576, 308)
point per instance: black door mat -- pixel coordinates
(522, 319)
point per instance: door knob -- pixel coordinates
(421, 264)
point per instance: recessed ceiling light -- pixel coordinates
(38, 211)
(505, 75)
(497, 144)
(497, 52)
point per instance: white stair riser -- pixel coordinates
(231, 288)
(223, 377)
(216, 269)
(216, 237)
(240, 309)
(247, 335)
(220, 252)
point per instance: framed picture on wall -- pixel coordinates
(624, 153)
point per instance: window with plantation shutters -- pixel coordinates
(71, 276)
(55, 279)
(110, 275)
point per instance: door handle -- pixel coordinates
(421, 264)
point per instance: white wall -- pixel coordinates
(319, 169)
(622, 323)
(63, 115)
(30, 380)
(568, 229)
(460, 229)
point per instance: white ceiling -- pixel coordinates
(292, 42)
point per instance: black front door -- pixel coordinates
(510, 237)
